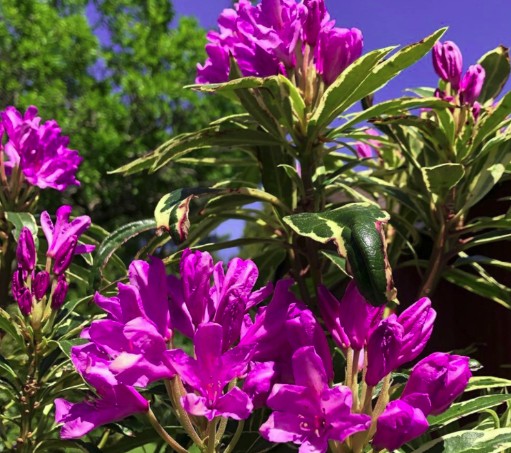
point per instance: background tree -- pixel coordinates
(111, 73)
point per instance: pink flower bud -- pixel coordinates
(25, 301)
(383, 350)
(443, 377)
(337, 48)
(25, 252)
(59, 294)
(40, 284)
(399, 423)
(448, 62)
(64, 256)
(472, 84)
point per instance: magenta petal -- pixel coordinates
(417, 322)
(259, 382)
(383, 349)
(399, 423)
(197, 405)
(109, 304)
(282, 427)
(443, 377)
(80, 418)
(180, 317)
(234, 404)
(151, 281)
(185, 367)
(308, 369)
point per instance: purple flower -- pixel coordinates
(337, 48)
(448, 62)
(442, 377)
(351, 320)
(274, 37)
(114, 403)
(40, 284)
(310, 413)
(59, 293)
(278, 330)
(136, 333)
(210, 372)
(62, 236)
(383, 349)
(472, 84)
(317, 19)
(39, 150)
(194, 300)
(25, 251)
(417, 321)
(398, 424)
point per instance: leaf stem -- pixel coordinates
(237, 434)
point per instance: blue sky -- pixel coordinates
(475, 25)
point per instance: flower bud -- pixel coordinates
(351, 320)
(18, 283)
(398, 424)
(383, 349)
(443, 377)
(472, 84)
(40, 284)
(59, 294)
(25, 301)
(417, 321)
(337, 48)
(64, 256)
(316, 16)
(25, 252)
(448, 62)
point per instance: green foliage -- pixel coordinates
(116, 98)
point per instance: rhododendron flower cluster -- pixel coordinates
(278, 358)
(30, 287)
(279, 37)
(39, 150)
(448, 64)
(379, 346)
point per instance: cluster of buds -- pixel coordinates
(39, 292)
(298, 40)
(377, 347)
(279, 358)
(448, 64)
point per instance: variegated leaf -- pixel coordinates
(356, 229)
(470, 441)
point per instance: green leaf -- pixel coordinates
(171, 212)
(497, 67)
(491, 121)
(470, 441)
(460, 410)
(20, 220)
(365, 76)
(113, 242)
(479, 285)
(356, 230)
(225, 134)
(8, 325)
(275, 179)
(392, 107)
(442, 178)
(486, 382)
(336, 98)
(66, 345)
(336, 260)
